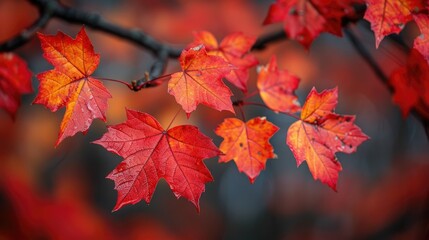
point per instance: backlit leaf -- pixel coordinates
(70, 83)
(151, 153)
(200, 81)
(320, 133)
(233, 49)
(247, 144)
(390, 16)
(277, 88)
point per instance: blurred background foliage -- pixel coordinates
(48, 193)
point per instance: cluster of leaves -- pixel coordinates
(176, 154)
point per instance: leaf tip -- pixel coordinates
(252, 180)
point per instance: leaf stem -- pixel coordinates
(256, 92)
(243, 116)
(145, 82)
(172, 120)
(116, 81)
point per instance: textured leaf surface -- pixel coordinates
(320, 134)
(247, 144)
(233, 49)
(390, 16)
(421, 43)
(151, 153)
(304, 20)
(15, 80)
(70, 84)
(277, 88)
(411, 83)
(200, 81)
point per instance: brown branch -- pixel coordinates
(25, 35)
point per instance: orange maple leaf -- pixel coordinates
(320, 133)
(247, 144)
(200, 81)
(277, 88)
(390, 16)
(233, 49)
(70, 83)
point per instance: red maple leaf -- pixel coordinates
(411, 83)
(233, 49)
(304, 20)
(421, 43)
(247, 144)
(390, 16)
(200, 81)
(70, 83)
(320, 133)
(15, 80)
(277, 88)
(151, 153)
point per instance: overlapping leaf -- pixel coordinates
(15, 80)
(151, 153)
(306, 20)
(277, 88)
(320, 133)
(421, 43)
(390, 16)
(411, 83)
(233, 49)
(70, 83)
(247, 144)
(200, 81)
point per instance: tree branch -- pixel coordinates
(25, 35)
(262, 42)
(366, 55)
(96, 22)
(49, 9)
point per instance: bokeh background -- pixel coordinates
(62, 193)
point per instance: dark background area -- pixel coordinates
(62, 193)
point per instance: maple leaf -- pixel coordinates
(70, 84)
(421, 43)
(247, 144)
(200, 81)
(151, 153)
(277, 88)
(306, 20)
(390, 16)
(15, 80)
(320, 133)
(411, 83)
(233, 49)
